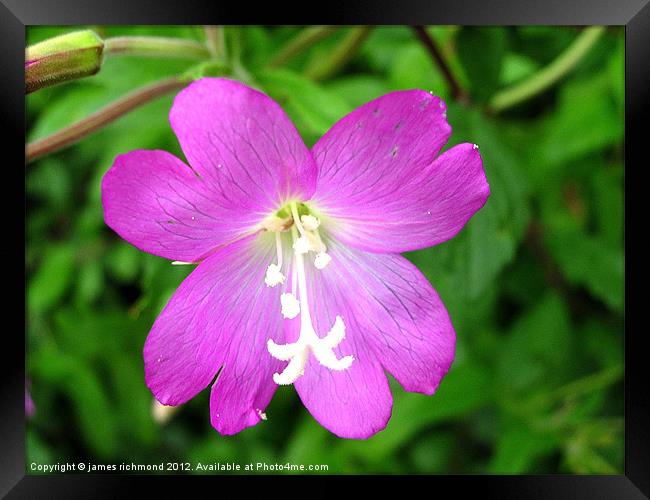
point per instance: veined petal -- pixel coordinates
(221, 314)
(243, 144)
(355, 402)
(154, 201)
(381, 183)
(245, 384)
(398, 314)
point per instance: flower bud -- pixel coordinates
(62, 58)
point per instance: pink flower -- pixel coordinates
(299, 278)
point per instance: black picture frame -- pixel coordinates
(15, 15)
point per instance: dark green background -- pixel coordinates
(533, 283)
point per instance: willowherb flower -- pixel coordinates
(299, 278)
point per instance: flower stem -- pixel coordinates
(341, 54)
(584, 385)
(547, 76)
(305, 39)
(215, 41)
(155, 46)
(77, 131)
(457, 91)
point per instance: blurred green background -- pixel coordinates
(533, 283)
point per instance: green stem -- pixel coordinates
(77, 131)
(155, 46)
(215, 41)
(547, 76)
(341, 54)
(305, 39)
(587, 384)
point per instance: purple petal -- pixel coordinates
(380, 182)
(221, 310)
(354, 403)
(241, 141)
(154, 201)
(245, 384)
(394, 321)
(399, 315)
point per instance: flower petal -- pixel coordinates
(380, 182)
(154, 201)
(353, 403)
(245, 384)
(221, 309)
(398, 313)
(242, 142)
(394, 321)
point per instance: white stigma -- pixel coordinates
(321, 260)
(273, 275)
(290, 305)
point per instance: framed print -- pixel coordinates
(393, 244)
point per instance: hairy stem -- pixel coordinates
(340, 56)
(305, 39)
(457, 91)
(77, 131)
(549, 75)
(155, 46)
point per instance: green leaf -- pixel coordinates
(463, 390)
(312, 108)
(481, 51)
(537, 353)
(50, 180)
(82, 386)
(358, 89)
(607, 186)
(591, 262)
(414, 69)
(90, 282)
(519, 448)
(516, 67)
(52, 278)
(123, 262)
(586, 121)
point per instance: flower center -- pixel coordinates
(305, 239)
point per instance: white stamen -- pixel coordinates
(275, 223)
(261, 413)
(181, 263)
(302, 245)
(321, 260)
(297, 353)
(273, 275)
(290, 305)
(309, 222)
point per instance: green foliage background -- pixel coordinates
(533, 283)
